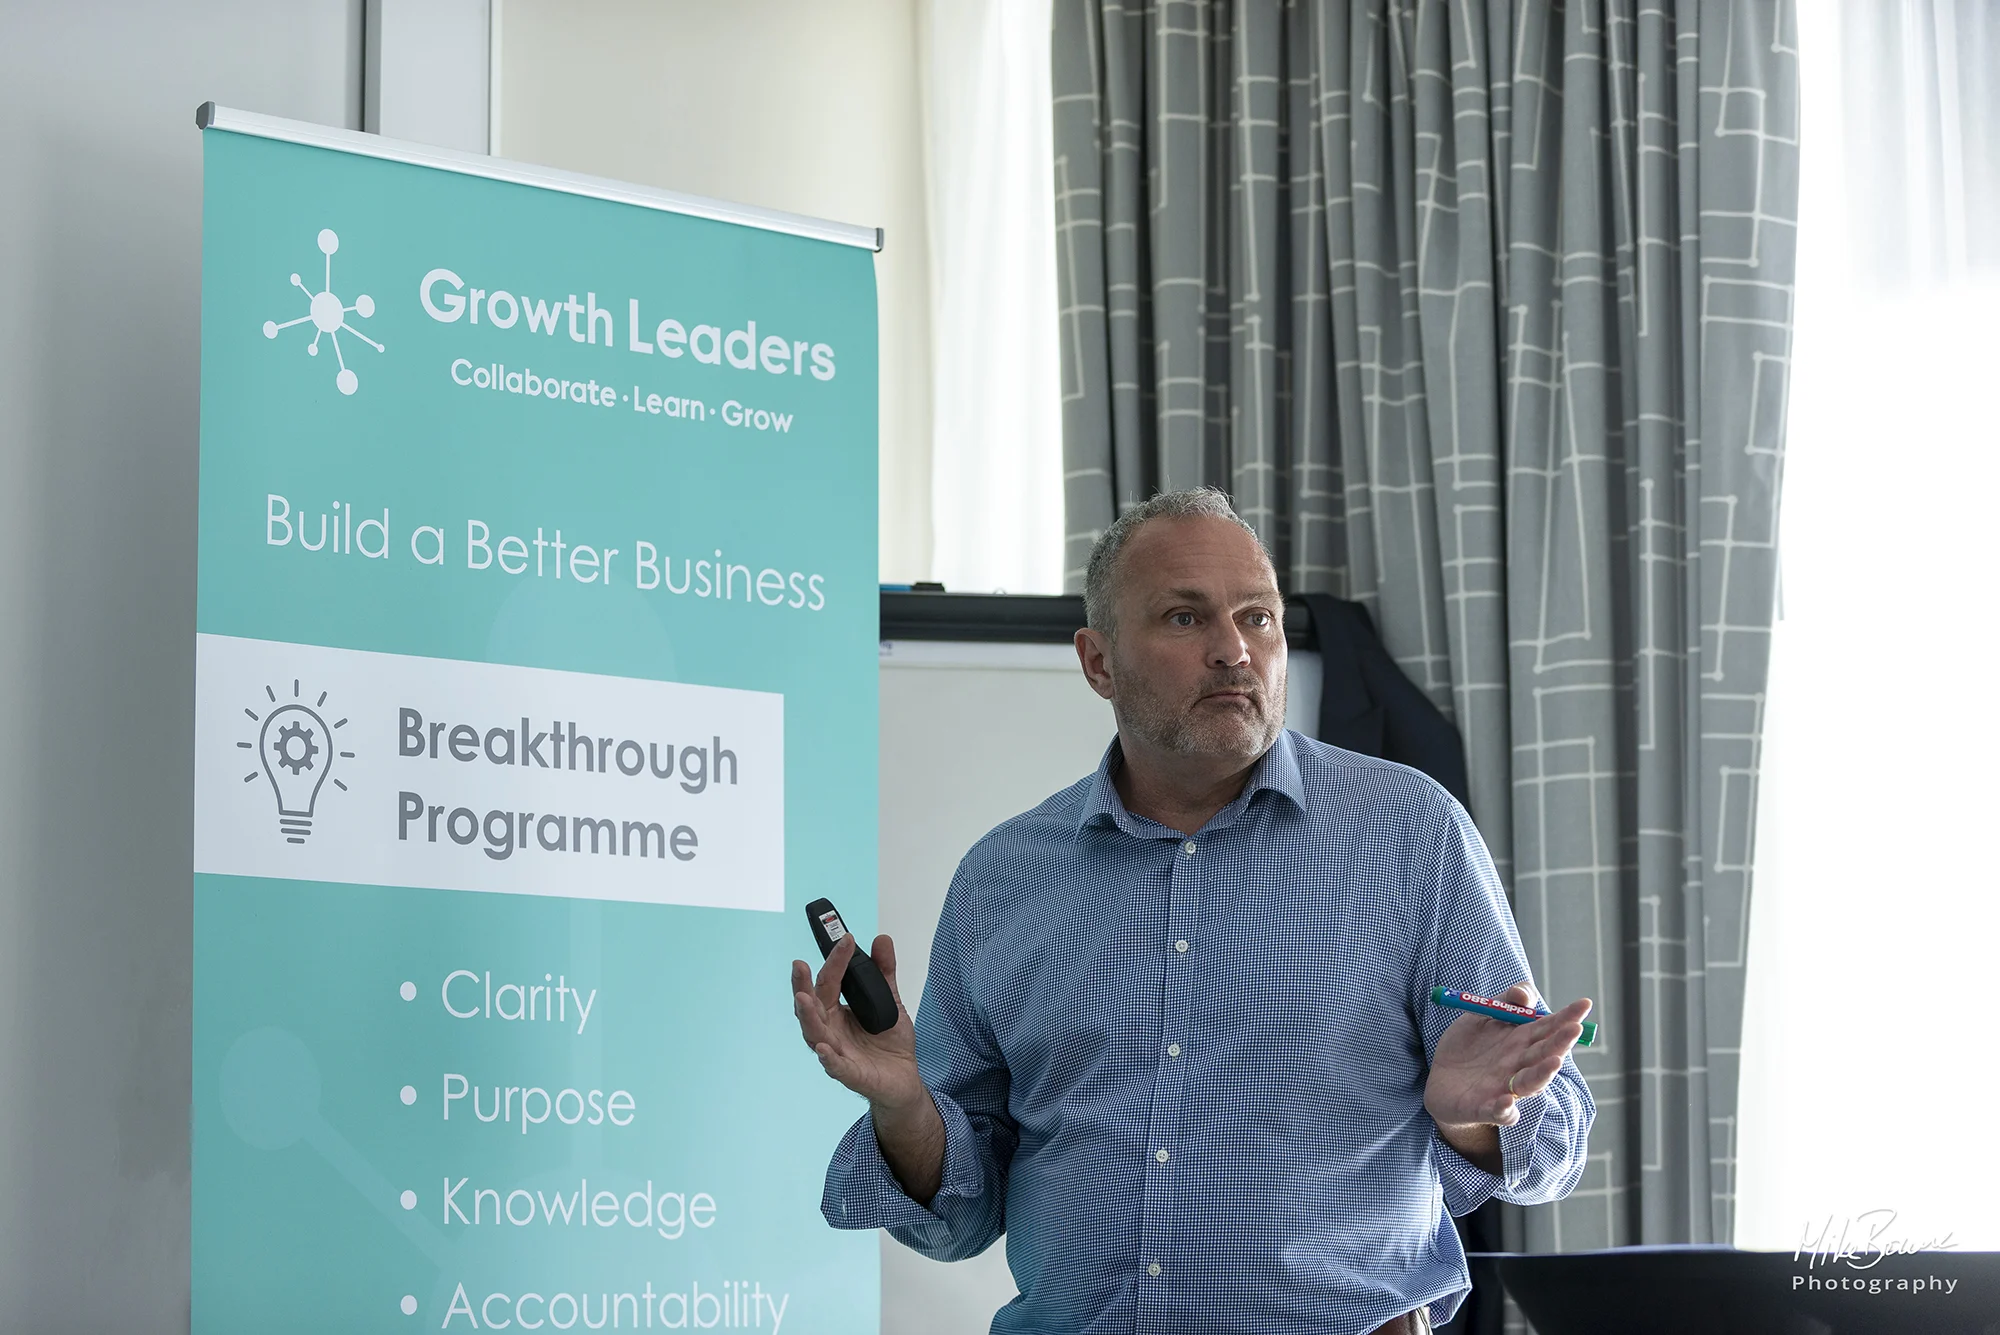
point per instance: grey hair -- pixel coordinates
(1100, 577)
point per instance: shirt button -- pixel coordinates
(1181, 946)
(1188, 848)
(1153, 1269)
(1173, 1049)
(1161, 1155)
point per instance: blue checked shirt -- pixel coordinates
(1185, 1077)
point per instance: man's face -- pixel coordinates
(1197, 666)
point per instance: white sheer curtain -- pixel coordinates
(996, 441)
(1868, 1077)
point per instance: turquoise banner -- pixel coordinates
(536, 695)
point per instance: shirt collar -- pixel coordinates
(1277, 770)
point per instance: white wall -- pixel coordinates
(427, 72)
(100, 218)
(813, 108)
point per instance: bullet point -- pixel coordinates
(409, 1304)
(409, 991)
(409, 1095)
(409, 1200)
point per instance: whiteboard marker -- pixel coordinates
(1502, 1010)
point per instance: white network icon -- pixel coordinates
(328, 316)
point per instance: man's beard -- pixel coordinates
(1182, 728)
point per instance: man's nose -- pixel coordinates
(1227, 648)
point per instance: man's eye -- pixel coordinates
(1260, 619)
(1182, 618)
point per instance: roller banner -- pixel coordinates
(535, 697)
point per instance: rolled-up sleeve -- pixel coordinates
(963, 1068)
(1471, 944)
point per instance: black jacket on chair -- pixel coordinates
(1366, 704)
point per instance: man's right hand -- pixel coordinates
(881, 1068)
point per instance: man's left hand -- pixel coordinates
(1478, 1057)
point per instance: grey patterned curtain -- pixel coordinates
(1481, 310)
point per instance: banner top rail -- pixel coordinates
(209, 116)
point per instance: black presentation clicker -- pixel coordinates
(866, 990)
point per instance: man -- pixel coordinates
(1177, 1040)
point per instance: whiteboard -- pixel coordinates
(974, 733)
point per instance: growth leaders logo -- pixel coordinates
(329, 316)
(296, 748)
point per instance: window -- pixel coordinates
(1867, 1072)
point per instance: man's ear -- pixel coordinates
(1093, 652)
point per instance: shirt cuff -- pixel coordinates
(862, 1190)
(1467, 1186)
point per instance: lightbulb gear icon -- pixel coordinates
(295, 747)
(295, 750)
